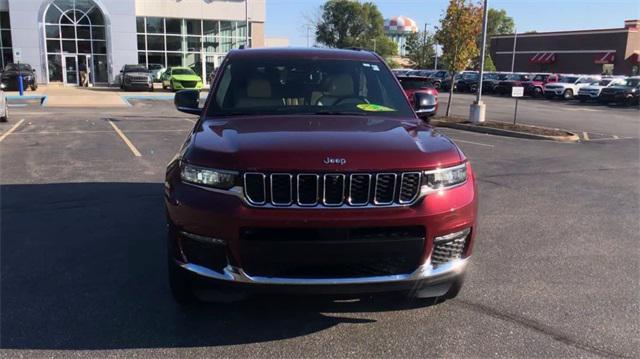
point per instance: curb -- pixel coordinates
(570, 137)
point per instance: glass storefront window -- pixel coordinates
(155, 25)
(156, 58)
(53, 45)
(193, 44)
(140, 24)
(5, 21)
(69, 46)
(193, 27)
(99, 47)
(155, 42)
(174, 26)
(55, 67)
(6, 38)
(84, 47)
(174, 60)
(141, 43)
(211, 27)
(174, 43)
(68, 32)
(83, 32)
(98, 32)
(142, 58)
(53, 31)
(100, 71)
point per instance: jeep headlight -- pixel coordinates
(207, 177)
(444, 178)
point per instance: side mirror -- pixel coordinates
(188, 101)
(425, 105)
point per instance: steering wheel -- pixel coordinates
(350, 97)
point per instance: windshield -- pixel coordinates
(470, 76)
(135, 69)
(632, 82)
(155, 67)
(568, 79)
(308, 86)
(14, 67)
(602, 83)
(412, 84)
(540, 77)
(518, 77)
(182, 72)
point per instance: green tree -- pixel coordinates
(346, 23)
(420, 50)
(498, 23)
(459, 28)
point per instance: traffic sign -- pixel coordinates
(517, 91)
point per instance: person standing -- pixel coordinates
(84, 78)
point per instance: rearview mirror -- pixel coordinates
(425, 105)
(188, 101)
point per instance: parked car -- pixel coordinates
(491, 81)
(513, 80)
(568, 86)
(135, 77)
(9, 78)
(412, 85)
(401, 72)
(469, 82)
(156, 71)
(180, 78)
(344, 190)
(4, 107)
(592, 92)
(438, 77)
(535, 87)
(626, 93)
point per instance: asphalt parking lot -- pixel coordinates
(82, 265)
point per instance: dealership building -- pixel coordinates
(599, 51)
(59, 37)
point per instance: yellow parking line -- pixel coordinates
(125, 139)
(585, 136)
(4, 135)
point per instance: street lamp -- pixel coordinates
(478, 109)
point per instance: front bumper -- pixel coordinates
(177, 85)
(553, 92)
(587, 96)
(223, 217)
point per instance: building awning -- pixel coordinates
(543, 58)
(635, 57)
(605, 57)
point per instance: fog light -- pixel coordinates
(453, 236)
(203, 239)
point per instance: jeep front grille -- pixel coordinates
(331, 189)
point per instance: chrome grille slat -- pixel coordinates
(333, 185)
(359, 186)
(384, 192)
(281, 187)
(308, 190)
(307, 180)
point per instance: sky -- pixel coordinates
(289, 18)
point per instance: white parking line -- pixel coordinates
(189, 120)
(585, 135)
(13, 128)
(96, 131)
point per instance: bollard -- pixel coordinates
(20, 84)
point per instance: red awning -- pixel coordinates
(635, 58)
(605, 57)
(543, 58)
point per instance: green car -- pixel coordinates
(181, 78)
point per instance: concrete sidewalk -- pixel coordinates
(62, 96)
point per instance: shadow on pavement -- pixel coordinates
(83, 267)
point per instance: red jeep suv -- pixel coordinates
(309, 172)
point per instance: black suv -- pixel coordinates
(9, 80)
(626, 94)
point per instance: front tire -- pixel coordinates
(567, 94)
(537, 92)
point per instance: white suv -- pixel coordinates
(568, 85)
(592, 91)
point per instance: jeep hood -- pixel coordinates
(302, 143)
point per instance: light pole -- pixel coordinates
(513, 54)
(435, 66)
(477, 109)
(246, 20)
